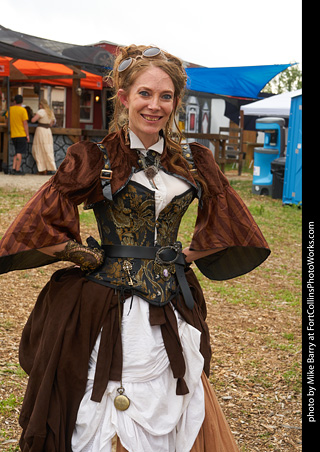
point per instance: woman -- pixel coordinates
(120, 345)
(42, 147)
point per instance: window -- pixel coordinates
(86, 106)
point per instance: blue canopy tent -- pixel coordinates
(244, 81)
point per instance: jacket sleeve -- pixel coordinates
(51, 215)
(224, 225)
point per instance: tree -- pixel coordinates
(286, 81)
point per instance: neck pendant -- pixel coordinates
(150, 165)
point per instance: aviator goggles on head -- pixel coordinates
(151, 52)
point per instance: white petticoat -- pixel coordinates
(157, 419)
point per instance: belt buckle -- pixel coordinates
(106, 174)
(166, 268)
(177, 247)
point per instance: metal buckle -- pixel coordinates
(177, 247)
(106, 174)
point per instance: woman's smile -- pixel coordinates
(151, 118)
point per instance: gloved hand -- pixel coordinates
(87, 257)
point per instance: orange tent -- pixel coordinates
(48, 73)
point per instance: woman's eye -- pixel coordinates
(144, 93)
(167, 96)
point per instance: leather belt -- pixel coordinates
(45, 126)
(165, 255)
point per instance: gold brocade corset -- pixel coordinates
(130, 220)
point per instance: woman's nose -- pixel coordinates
(154, 103)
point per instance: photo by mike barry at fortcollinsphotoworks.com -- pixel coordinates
(309, 341)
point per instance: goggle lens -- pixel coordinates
(124, 64)
(149, 53)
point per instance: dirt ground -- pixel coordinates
(252, 370)
(28, 181)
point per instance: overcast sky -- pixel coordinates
(213, 33)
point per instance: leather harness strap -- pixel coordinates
(106, 173)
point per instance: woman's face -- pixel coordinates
(150, 101)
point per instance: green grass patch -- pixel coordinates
(10, 404)
(87, 217)
(12, 369)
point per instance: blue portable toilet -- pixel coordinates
(292, 186)
(273, 147)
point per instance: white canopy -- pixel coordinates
(278, 105)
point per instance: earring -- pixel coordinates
(168, 130)
(126, 133)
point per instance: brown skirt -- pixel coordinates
(215, 434)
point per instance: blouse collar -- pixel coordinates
(135, 143)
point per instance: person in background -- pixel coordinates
(117, 346)
(42, 146)
(30, 113)
(19, 132)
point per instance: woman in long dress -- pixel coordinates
(42, 146)
(118, 344)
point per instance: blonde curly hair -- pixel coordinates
(44, 104)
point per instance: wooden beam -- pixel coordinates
(76, 70)
(75, 103)
(49, 77)
(64, 131)
(242, 129)
(15, 74)
(205, 136)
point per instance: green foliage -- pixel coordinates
(286, 81)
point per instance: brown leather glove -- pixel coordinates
(88, 258)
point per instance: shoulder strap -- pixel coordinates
(187, 154)
(106, 173)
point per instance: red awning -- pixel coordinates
(38, 70)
